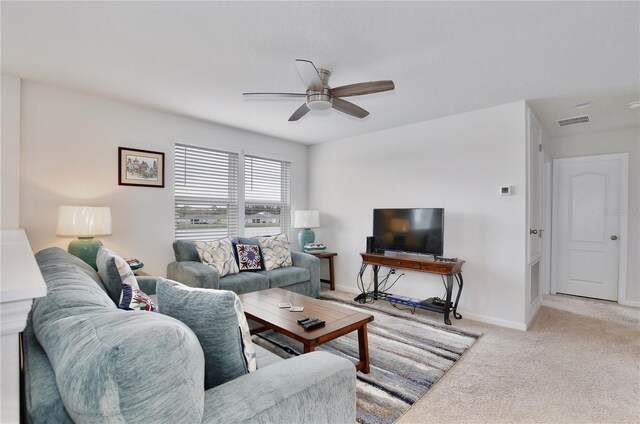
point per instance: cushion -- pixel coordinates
(218, 254)
(115, 272)
(54, 256)
(244, 282)
(282, 277)
(135, 299)
(217, 319)
(249, 258)
(276, 251)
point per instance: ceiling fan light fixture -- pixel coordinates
(321, 97)
(319, 101)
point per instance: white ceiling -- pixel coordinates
(197, 58)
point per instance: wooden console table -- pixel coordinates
(409, 262)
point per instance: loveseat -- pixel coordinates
(302, 277)
(85, 360)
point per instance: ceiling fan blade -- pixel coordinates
(349, 108)
(362, 88)
(309, 74)
(299, 113)
(274, 94)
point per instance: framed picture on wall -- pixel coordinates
(142, 168)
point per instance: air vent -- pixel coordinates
(575, 120)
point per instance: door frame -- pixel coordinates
(547, 213)
(624, 205)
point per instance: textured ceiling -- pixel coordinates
(196, 58)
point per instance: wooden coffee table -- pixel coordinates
(262, 306)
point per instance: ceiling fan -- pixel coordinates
(320, 96)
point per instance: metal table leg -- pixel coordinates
(376, 268)
(455, 305)
(448, 300)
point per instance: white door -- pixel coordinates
(586, 225)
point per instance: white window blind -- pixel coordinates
(267, 193)
(206, 193)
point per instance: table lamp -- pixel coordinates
(306, 220)
(84, 222)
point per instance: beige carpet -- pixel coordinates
(579, 363)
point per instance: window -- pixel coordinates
(207, 187)
(206, 193)
(267, 193)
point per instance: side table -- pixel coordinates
(330, 256)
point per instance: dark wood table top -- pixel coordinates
(423, 263)
(324, 254)
(262, 306)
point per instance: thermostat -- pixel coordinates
(505, 191)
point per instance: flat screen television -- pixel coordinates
(417, 230)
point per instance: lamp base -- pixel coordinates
(306, 235)
(86, 248)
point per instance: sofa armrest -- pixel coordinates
(310, 262)
(194, 274)
(317, 387)
(147, 283)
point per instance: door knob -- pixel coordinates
(614, 237)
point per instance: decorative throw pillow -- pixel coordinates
(135, 299)
(249, 258)
(117, 275)
(217, 319)
(218, 254)
(276, 251)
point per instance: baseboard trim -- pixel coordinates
(535, 308)
(349, 289)
(634, 303)
(494, 321)
(475, 317)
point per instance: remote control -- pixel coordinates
(303, 320)
(313, 324)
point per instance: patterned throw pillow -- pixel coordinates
(249, 258)
(218, 254)
(276, 251)
(112, 267)
(135, 299)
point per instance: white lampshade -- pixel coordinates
(306, 219)
(83, 221)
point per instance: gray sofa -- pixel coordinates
(303, 277)
(85, 360)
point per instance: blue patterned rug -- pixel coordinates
(408, 354)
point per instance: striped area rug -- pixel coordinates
(408, 354)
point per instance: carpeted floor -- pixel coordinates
(578, 363)
(408, 355)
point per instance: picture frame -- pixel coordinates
(141, 168)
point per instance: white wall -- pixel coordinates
(459, 163)
(10, 152)
(70, 156)
(620, 141)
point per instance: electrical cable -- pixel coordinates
(410, 309)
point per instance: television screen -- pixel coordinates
(419, 230)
